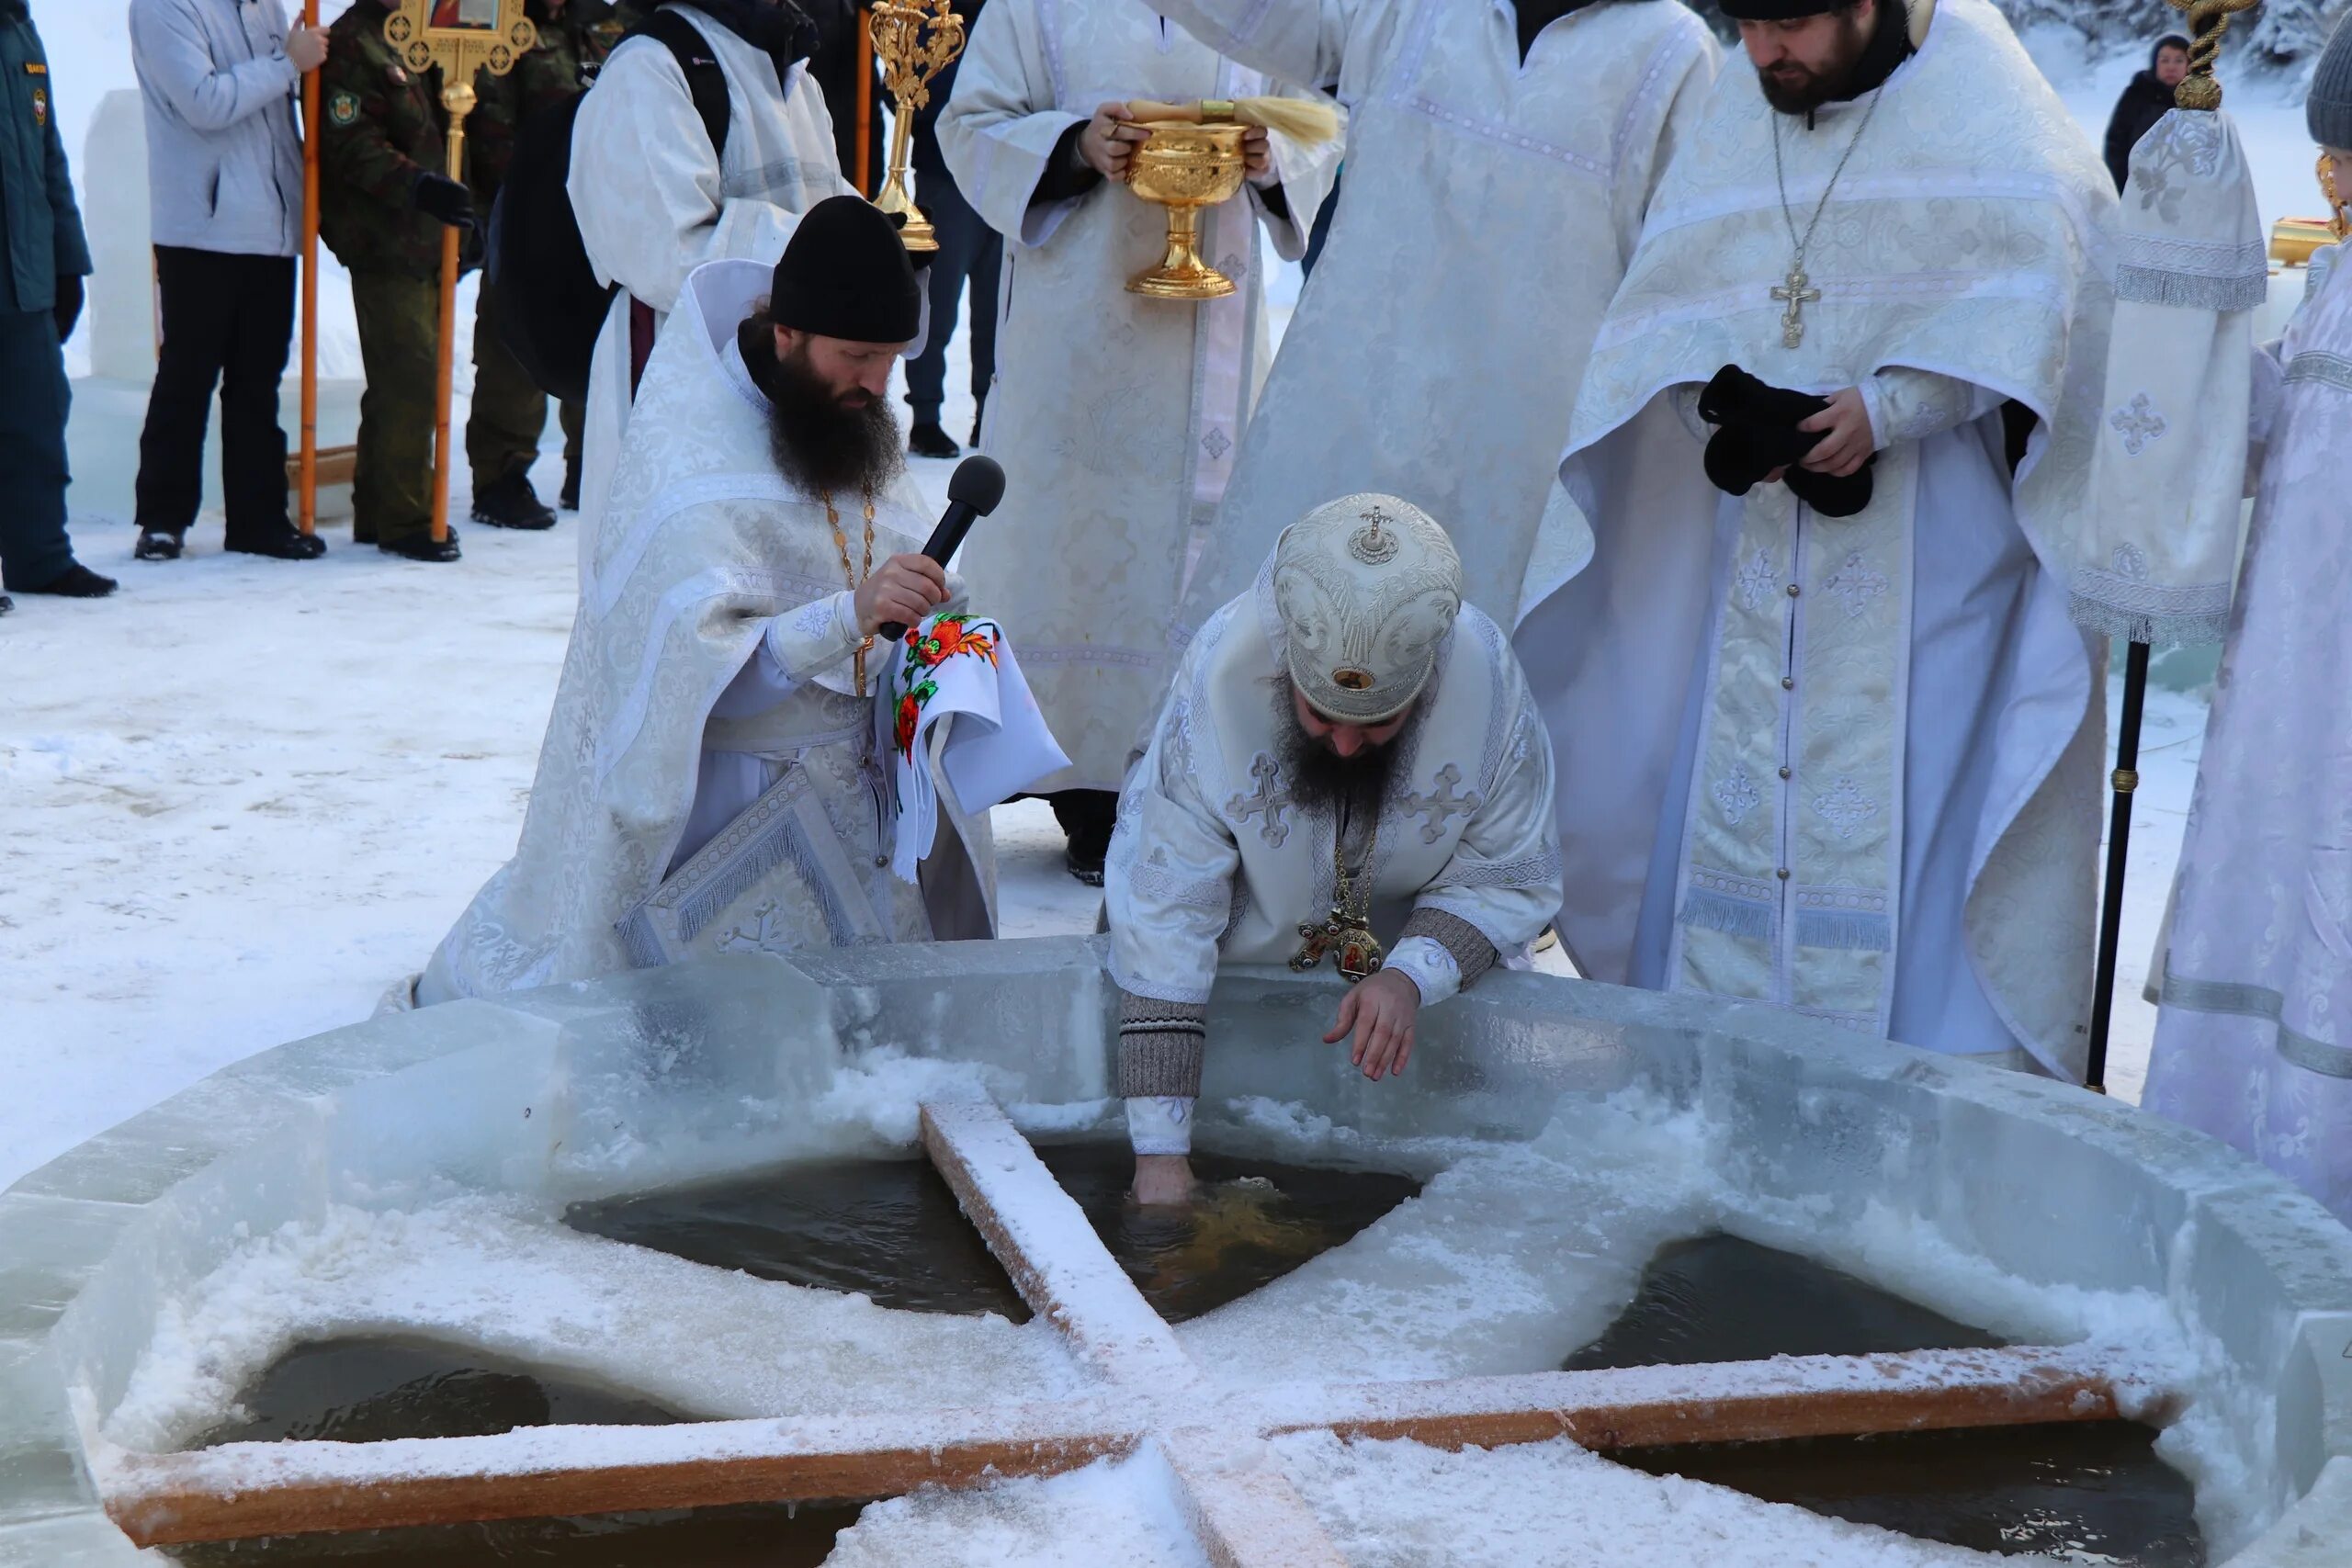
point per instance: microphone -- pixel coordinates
(972, 494)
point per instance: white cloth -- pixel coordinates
(2254, 1043)
(1115, 416)
(1212, 862)
(1847, 766)
(654, 201)
(2155, 561)
(957, 668)
(1488, 212)
(710, 634)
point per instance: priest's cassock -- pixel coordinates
(1116, 416)
(1837, 748)
(1500, 161)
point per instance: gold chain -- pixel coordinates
(1341, 894)
(841, 543)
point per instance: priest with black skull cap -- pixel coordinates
(710, 781)
(1829, 735)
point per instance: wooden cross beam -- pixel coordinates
(1245, 1509)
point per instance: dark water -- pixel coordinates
(2089, 1487)
(892, 1230)
(358, 1391)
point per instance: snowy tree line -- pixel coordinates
(2282, 32)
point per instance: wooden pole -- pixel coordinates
(2126, 781)
(862, 179)
(459, 101)
(307, 497)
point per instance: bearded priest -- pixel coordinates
(1348, 768)
(709, 781)
(1832, 735)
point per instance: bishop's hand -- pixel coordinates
(1163, 1182)
(1381, 1010)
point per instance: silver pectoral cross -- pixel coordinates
(1798, 296)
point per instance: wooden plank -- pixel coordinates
(1243, 1506)
(336, 467)
(1810, 1396)
(291, 1488)
(1042, 1237)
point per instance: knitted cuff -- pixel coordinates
(1160, 1047)
(1473, 954)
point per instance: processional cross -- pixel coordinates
(1794, 292)
(1145, 1389)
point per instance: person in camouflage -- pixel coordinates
(384, 203)
(574, 38)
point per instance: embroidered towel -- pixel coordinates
(2160, 546)
(957, 667)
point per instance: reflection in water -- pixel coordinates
(358, 1391)
(892, 1229)
(2093, 1489)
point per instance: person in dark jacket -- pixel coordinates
(2144, 101)
(43, 258)
(970, 249)
(834, 66)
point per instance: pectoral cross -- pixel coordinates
(1798, 297)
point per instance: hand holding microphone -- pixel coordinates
(912, 591)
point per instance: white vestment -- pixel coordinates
(709, 781)
(1115, 416)
(2254, 1043)
(1848, 766)
(1488, 208)
(1212, 862)
(654, 201)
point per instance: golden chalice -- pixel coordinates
(1184, 168)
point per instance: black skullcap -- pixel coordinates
(1777, 10)
(845, 275)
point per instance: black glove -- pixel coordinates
(438, 196)
(68, 309)
(1756, 432)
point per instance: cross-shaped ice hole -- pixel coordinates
(1147, 1391)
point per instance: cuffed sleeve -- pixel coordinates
(816, 636)
(1005, 137)
(1160, 1124)
(1504, 880)
(1911, 405)
(1162, 1044)
(1464, 944)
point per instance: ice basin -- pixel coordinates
(325, 1186)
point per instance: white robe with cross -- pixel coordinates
(1488, 206)
(1848, 766)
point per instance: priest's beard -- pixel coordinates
(1793, 88)
(824, 445)
(1353, 788)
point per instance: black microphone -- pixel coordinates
(972, 494)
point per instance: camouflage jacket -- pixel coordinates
(381, 124)
(571, 48)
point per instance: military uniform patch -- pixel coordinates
(41, 106)
(344, 108)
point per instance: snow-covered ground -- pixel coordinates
(241, 796)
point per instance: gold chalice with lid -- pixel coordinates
(1185, 167)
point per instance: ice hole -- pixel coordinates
(374, 1390)
(2093, 1490)
(891, 1228)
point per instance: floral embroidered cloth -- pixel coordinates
(951, 667)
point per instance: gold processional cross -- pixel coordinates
(1143, 1389)
(1797, 296)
